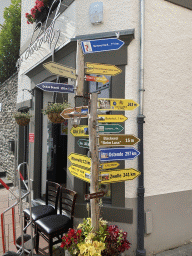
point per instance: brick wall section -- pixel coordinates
(8, 97)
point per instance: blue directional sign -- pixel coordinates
(56, 87)
(111, 154)
(101, 45)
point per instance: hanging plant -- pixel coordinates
(41, 7)
(53, 111)
(21, 118)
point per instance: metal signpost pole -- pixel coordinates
(92, 124)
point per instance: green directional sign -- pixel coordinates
(111, 128)
(83, 143)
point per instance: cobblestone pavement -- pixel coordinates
(6, 200)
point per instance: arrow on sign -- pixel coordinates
(80, 173)
(112, 118)
(101, 69)
(119, 175)
(110, 165)
(83, 110)
(56, 87)
(79, 159)
(61, 70)
(94, 195)
(118, 140)
(98, 79)
(111, 154)
(111, 128)
(83, 143)
(116, 104)
(80, 131)
(101, 45)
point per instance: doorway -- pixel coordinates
(57, 152)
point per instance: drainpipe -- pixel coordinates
(140, 120)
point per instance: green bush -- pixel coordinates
(10, 40)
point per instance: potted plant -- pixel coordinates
(22, 118)
(109, 240)
(40, 10)
(53, 111)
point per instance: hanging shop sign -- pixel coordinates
(110, 165)
(83, 143)
(116, 104)
(80, 131)
(80, 173)
(110, 128)
(102, 69)
(98, 79)
(79, 159)
(56, 87)
(101, 45)
(111, 118)
(118, 175)
(83, 110)
(118, 140)
(112, 154)
(60, 70)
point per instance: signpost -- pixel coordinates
(116, 104)
(80, 173)
(83, 143)
(60, 70)
(111, 118)
(56, 87)
(110, 165)
(79, 159)
(117, 140)
(118, 175)
(80, 131)
(101, 45)
(102, 69)
(98, 79)
(83, 110)
(111, 128)
(111, 154)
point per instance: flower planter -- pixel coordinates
(22, 121)
(55, 118)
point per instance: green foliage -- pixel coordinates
(10, 40)
(55, 107)
(18, 115)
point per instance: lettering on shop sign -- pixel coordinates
(47, 35)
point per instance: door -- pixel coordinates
(57, 153)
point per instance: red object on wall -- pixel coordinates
(31, 137)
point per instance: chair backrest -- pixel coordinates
(67, 202)
(52, 193)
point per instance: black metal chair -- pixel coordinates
(54, 226)
(40, 211)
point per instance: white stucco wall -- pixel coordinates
(167, 104)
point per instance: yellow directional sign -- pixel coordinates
(98, 79)
(119, 175)
(116, 104)
(79, 159)
(61, 70)
(80, 173)
(102, 69)
(110, 165)
(80, 131)
(112, 118)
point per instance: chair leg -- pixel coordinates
(51, 246)
(25, 223)
(36, 240)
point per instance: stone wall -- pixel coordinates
(8, 96)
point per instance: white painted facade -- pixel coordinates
(167, 96)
